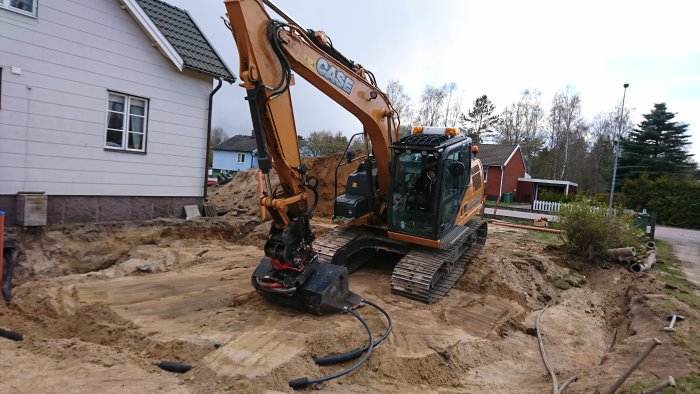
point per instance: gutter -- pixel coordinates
(206, 148)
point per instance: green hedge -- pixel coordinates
(676, 200)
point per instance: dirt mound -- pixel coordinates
(80, 248)
(242, 193)
(324, 168)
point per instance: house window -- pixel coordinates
(241, 158)
(127, 120)
(27, 7)
(486, 173)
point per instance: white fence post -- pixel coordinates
(547, 206)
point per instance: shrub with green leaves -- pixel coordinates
(675, 198)
(547, 195)
(589, 229)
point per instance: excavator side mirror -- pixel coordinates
(349, 155)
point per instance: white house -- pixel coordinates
(238, 153)
(104, 107)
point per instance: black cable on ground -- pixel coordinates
(303, 382)
(555, 385)
(174, 366)
(12, 335)
(357, 352)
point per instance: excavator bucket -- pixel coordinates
(323, 291)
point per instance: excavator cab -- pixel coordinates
(430, 177)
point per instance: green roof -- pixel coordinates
(182, 32)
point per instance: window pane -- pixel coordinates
(136, 124)
(135, 141)
(115, 121)
(138, 107)
(24, 5)
(114, 139)
(116, 103)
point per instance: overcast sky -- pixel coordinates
(497, 48)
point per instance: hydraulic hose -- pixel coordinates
(303, 382)
(355, 353)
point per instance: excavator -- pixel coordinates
(416, 196)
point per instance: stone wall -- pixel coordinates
(97, 209)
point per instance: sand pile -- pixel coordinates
(242, 192)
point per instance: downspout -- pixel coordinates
(206, 149)
(500, 188)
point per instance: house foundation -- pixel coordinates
(98, 209)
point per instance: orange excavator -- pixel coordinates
(416, 196)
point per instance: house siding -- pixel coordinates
(228, 160)
(513, 170)
(493, 182)
(53, 115)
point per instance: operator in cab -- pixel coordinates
(425, 184)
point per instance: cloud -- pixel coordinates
(493, 48)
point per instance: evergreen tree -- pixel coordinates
(481, 119)
(657, 147)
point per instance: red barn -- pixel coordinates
(503, 165)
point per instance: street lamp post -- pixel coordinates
(617, 146)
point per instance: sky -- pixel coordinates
(497, 48)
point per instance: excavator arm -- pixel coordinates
(269, 52)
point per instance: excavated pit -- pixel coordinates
(100, 305)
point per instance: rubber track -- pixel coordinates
(413, 275)
(328, 244)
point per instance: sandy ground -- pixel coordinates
(100, 305)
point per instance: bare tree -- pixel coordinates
(566, 126)
(401, 103)
(521, 123)
(440, 106)
(218, 135)
(453, 105)
(431, 103)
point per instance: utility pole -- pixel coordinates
(617, 146)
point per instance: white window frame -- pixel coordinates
(240, 158)
(486, 173)
(6, 4)
(125, 122)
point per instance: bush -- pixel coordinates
(547, 195)
(589, 230)
(676, 199)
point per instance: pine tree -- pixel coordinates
(657, 147)
(481, 119)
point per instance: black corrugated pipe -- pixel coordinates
(206, 154)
